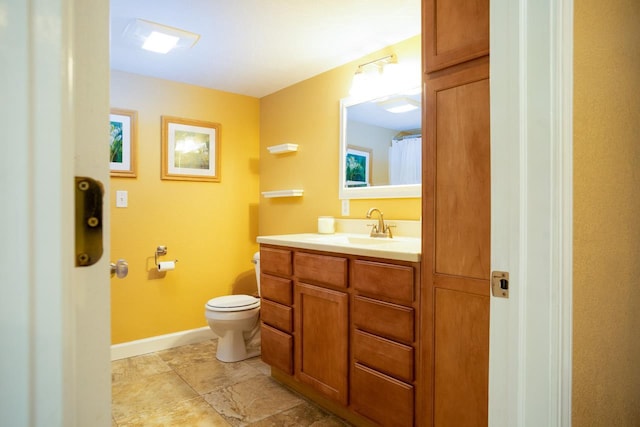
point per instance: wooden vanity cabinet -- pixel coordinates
(354, 332)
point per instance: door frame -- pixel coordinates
(531, 211)
(54, 317)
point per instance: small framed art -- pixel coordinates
(122, 144)
(190, 150)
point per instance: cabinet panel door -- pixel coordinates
(458, 113)
(277, 348)
(454, 31)
(321, 325)
(461, 359)
(383, 399)
(456, 246)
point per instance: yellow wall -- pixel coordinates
(308, 114)
(606, 288)
(209, 227)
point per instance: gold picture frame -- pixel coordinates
(190, 150)
(123, 142)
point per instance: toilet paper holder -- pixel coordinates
(160, 251)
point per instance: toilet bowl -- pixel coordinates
(235, 320)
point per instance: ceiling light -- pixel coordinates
(160, 42)
(371, 78)
(399, 104)
(157, 37)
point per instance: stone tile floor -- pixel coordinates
(188, 386)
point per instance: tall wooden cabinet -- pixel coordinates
(456, 212)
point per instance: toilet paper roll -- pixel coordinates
(166, 265)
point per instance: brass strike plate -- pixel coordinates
(500, 284)
(89, 194)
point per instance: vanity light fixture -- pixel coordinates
(400, 104)
(157, 37)
(374, 77)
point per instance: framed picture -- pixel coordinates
(122, 144)
(190, 150)
(358, 166)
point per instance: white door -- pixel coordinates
(54, 317)
(531, 214)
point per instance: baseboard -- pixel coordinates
(161, 342)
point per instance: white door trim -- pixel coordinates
(36, 216)
(531, 187)
(54, 82)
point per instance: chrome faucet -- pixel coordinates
(379, 230)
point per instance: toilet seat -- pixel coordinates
(233, 303)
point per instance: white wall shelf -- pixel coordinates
(283, 148)
(282, 193)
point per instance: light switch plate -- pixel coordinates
(345, 207)
(122, 199)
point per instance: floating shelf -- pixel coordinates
(282, 193)
(283, 148)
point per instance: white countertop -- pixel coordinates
(397, 248)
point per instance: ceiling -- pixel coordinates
(257, 47)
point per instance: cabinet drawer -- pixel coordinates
(385, 400)
(321, 269)
(383, 355)
(277, 315)
(277, 348)
(383, 318)
(386, 281)
(275, 261)
(276, 289)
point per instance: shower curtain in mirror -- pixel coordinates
(405, 161)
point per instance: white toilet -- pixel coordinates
(235, 319)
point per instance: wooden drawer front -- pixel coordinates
(277, 349)
(277, 315)
(322, 269)
(386, 281)
(275, 261)
(276, 289)
(383, 355)
(385, 400)
(383, 318)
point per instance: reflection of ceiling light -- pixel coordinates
(399, 105)
(157, 37)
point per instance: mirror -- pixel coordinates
(381, 146)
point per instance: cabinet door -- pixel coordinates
(321, 325)
(456, 212)
(454, 31)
